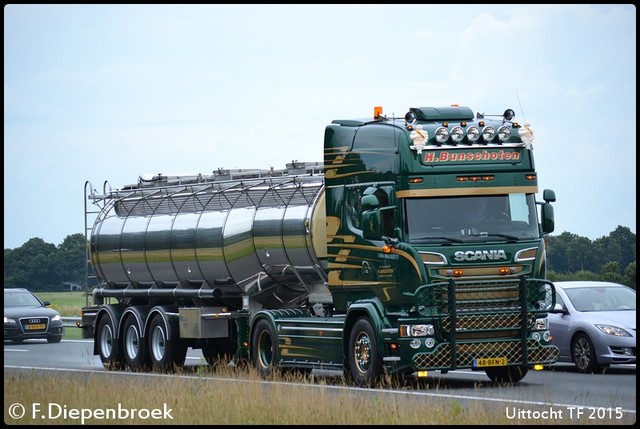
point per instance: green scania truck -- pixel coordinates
(415, 246)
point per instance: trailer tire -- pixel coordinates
(109, 347)
(263, 348)
(506, 374)
(134, 348)
(165, 354)
(363, 358)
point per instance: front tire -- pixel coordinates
(506, 374)
(364, 360)
(165, 354)
(584, 355)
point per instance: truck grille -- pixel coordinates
(486, 321)
(441, 358)
(496, 303)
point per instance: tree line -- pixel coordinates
(41, 266)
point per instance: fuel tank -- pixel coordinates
(215, 240)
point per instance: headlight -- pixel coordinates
(56, 318)
(416, 330)
(542, 324)
(613, 330)
(473, 133)
(442, 135)
(504, 133)
(457, 134)
(488, 133)
(9, 320)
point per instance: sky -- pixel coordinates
(108, 93)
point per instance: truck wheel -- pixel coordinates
(364, 360)
(584, 355)
(54, 339)
(109, 347)
(164, 354)
(216, 350)
(263, 348)
(506, 374)
(135, 350)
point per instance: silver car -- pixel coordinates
(594, 324)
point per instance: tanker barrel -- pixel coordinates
(157, 293)
(262, 237)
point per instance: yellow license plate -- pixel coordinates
(34, 327)
(485, 362)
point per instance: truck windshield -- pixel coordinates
(507, 217)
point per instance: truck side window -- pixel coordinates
(353, 210)
(387, 212)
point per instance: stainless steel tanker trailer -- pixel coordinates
(188, 258)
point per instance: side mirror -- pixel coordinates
(548, 195)
(548, 222)
(559, 309)
(369, 202)
(372, 224)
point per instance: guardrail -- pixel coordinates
(70, 321)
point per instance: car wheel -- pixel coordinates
(584, 354)
(54, 339)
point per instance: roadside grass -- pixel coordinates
(224, 395)
(68, 304)
(234, 396)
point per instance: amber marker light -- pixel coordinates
(386, 249)
(377, 111)
(475, 178)
(415, 179)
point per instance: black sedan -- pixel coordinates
(27, 317)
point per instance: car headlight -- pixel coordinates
(56, 318)
(613, 330)
(9, 320)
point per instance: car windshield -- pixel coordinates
(20, 299)
(602, 298)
